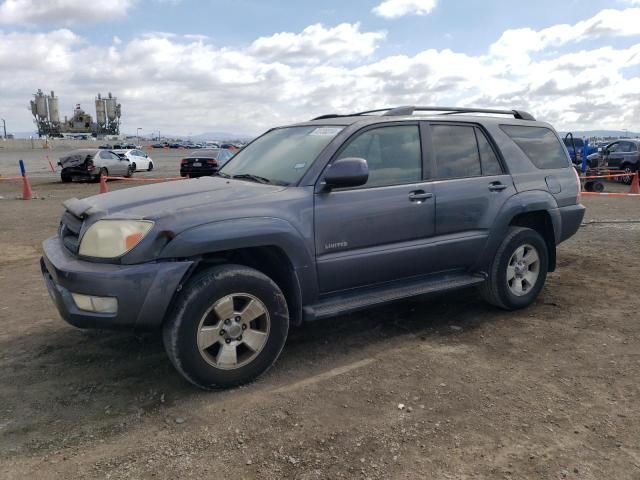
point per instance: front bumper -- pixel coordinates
(144, 291)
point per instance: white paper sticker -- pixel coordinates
(298, 166)
(326, 131)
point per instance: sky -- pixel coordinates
(188, 67)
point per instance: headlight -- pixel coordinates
(113, 238)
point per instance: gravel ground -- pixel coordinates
(439, 387)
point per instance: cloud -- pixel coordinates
(316, 44)
(614, 23)
(185, 83)
(400, 8)
(62, 12)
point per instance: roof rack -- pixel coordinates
(409, 110)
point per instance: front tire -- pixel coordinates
(629, 170)
(227, 327)
(518, 271)
(150, 167)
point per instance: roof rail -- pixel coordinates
(336, 115)
(409, 110)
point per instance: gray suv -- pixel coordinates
(318, 219)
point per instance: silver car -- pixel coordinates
(90, 163)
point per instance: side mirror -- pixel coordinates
(347, 172)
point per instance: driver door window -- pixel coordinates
(393, 155)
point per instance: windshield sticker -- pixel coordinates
(298, 166)
(326, 131)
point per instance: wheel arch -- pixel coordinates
(270, 245)
(540, 221)
(268, 259)
(536, 209)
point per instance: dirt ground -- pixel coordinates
(440, 387)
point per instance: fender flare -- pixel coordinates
(249, 232)
(240, 233)
(523, 202)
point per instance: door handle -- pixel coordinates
(419, 195)
(497, 186)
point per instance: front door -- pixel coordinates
(382, 230)
(471, 188)
(616, 153)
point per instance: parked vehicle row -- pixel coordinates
(120, 146)
(90, 163)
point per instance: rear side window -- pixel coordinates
(539, 144)
(456, 151)
(488, 159)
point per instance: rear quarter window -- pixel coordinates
(540, 144)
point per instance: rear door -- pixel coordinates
(381, 231)
(118, 165)
(470, 188)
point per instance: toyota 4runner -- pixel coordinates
(314, 220)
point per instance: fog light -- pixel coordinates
(95, 304)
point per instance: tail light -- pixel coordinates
(579, 197)
(184, 161)
(213, 163)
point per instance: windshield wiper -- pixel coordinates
(222, 174)
(253, 178)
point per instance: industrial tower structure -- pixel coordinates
(46, 114)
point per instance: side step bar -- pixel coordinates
(360, 299)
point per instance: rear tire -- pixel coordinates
(516, 277)
(227, 327)
(101, 172)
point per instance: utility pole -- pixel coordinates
(4, 125)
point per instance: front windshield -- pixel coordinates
(281, 156)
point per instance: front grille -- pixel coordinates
(70, 227)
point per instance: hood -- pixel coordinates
(172, 198)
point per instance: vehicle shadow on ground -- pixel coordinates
(105, 380)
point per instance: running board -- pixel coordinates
(360, 299)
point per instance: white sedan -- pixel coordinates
(138, 159)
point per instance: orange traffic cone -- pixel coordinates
(635, 187)
(103, 184)
(27, 194)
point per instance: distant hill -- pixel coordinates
(221, 136)
(603, 133)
